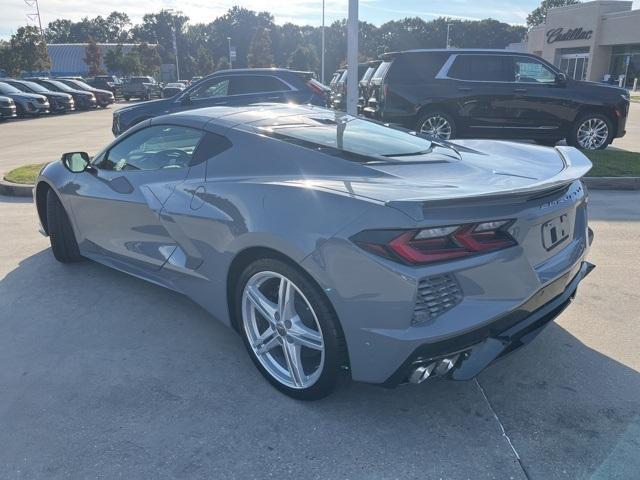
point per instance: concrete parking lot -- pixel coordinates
(45, 139)
(105, 376)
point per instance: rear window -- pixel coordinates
(381, 71)
(417, 67)
(256, 84)
(483, 68)
(366, 141)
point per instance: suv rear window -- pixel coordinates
(483, 68)
(417, 67)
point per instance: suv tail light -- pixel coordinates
(316, 88)
(437, 244)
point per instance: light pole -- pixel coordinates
(175, 42)
(230, 61)
(322, 54)
(352, 58)
(448, 32)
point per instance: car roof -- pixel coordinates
(387, 56)
(234, 116)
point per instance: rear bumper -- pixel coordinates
(476, 350)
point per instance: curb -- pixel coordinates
(612, 183)
(15, 189)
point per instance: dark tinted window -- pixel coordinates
(417, 67)
(217, 87)
(364, 139)
(256, 84)
(210, 146)
(368, 74)
(486, 68)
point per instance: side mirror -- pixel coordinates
(561, 79)
(76, 162)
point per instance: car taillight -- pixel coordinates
(316, 88)
(437, 244)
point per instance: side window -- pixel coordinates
(246, 84)
(529, 70)
(381, 71)
(215, 88)
(417, 67)
(153, 148)
(482, 68)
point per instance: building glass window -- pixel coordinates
(625, 61)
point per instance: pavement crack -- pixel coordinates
(504, 432)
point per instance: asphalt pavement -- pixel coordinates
(106, 376)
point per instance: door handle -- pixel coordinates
(464, 89)
(519, 90)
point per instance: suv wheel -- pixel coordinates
(591, 132)
(290, 330)
(437, 124)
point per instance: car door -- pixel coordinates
(539, 104)
(117, 206)
(481, 89)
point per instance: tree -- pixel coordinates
(131, 64)
(538, 16)
(223, 64)
(149, 58)
(118, 24)
(260, 52)
(93, 57)
(304, 58)
(114, 59)
(59, 31)
(29, 51)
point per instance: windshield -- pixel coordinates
(6, 88)
(81, 84)
(34, 87)
(347, 134)
(60, 85)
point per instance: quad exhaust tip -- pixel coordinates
(438, 368)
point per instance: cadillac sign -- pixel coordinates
(560, 35)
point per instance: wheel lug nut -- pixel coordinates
(287, 324)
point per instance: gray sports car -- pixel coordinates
(336, 246)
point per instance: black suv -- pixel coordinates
(229, 87)
(494, 94)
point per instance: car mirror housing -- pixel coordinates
(76, 162)
(561, 79)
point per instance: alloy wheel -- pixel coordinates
(283, 330)
(592, 134)
(436, 126)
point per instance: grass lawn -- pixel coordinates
(25, 175)
(606, 163)
(614, 163)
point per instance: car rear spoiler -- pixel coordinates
(576, 166)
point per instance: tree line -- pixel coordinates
(259, 42)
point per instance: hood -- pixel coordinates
(479, 168)
(600, 87)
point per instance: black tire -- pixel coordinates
(437, 114)
(547, 142)
(334, 369)
(573, 140)
(61, 236)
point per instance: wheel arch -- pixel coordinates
(608, 112)
(41, 203)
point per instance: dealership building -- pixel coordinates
(591, 40)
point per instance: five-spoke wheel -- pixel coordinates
(290, 329)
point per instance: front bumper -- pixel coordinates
(8, 112)
(476, 350)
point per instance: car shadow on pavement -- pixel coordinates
(107, 374)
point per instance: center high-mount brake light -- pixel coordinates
(437, 244)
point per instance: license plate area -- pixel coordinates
(555, 232)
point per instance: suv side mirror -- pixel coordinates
(561, 79)
(76, 162)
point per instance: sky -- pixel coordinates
(15, 12)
